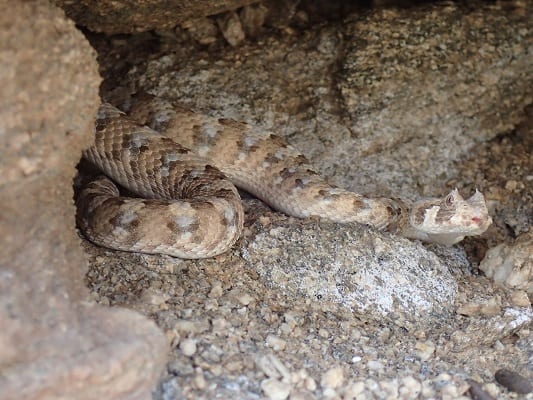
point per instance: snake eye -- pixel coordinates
(449, 200)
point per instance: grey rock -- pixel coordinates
(511, 265)
(373, 275)
(513, 381)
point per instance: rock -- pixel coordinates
(276, 390)
(401, 131)
(431, 93)
(489, 330)
(424, 350)
(231, 28)
(53, 344)
(124, 16)
(188, 347)
(511, 265)
(333, 378)
(374, 275)
(253, 18)
(276, 343)
(202, 30)
(476, 391)
(513, 381)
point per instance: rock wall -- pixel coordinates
(126, 16)
(52, 343)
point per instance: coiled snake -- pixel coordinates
(185, 171)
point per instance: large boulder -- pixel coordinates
(53, 343)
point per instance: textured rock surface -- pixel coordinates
(511, 265)
(435, 91)
(416, 130)
(380, 277)
(125, 16)
(52, 343)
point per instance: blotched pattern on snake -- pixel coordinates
(185, 167)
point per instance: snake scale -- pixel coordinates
(184, 167)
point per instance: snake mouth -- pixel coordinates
(482, 223)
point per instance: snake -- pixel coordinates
(169, 176)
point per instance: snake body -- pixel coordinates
(185, 167)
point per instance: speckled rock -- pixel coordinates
(373, 275)
(511, 265)
(53, 343)
(124, 16)
(367, 118)
(489, 329)
(435, 89)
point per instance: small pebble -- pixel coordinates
(299, 395)
(188, 347)
(513, 381)
(323, 333)
(520, 298)
(281, 367)
(265, 364)
(230, 25)
(244, 298)
(353, 390)
(390, 388)
(199, 381)
(469, 309)
(410, 388)
(310, 384)
(275, 390)
(493, 389)
(375, 365)
(476, 391)
(332, 378)
(511, 185)
(273, 367)
(216, 290)
(491, 307)
(194, 327)
(285, 329)
(356, 359)
(424, 350)
(449, 390)
(329, 393)
(276, 343)
(202, 30)
(220, 324)
(299, 376)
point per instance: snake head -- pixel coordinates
(449, 219)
